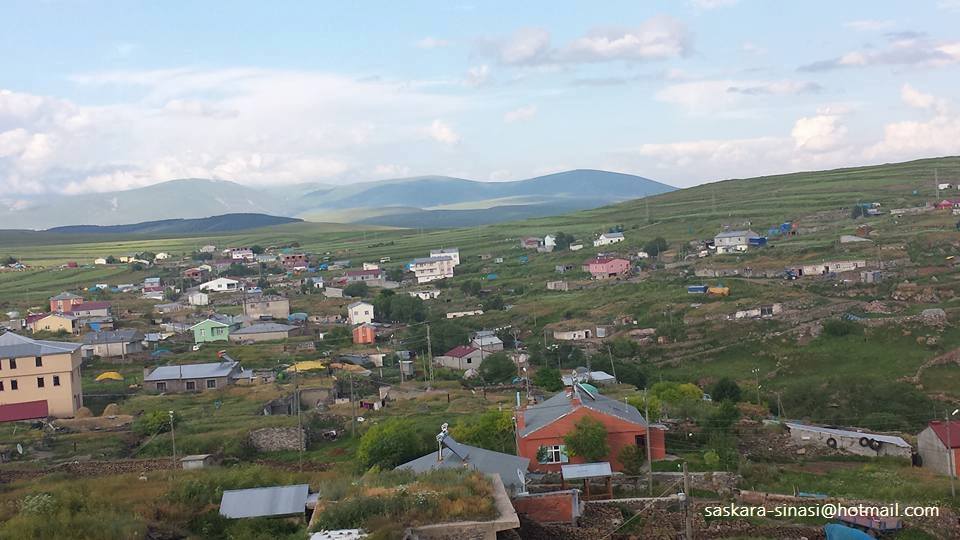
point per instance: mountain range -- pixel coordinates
(425, 201)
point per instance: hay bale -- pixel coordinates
(112, 409)
(83, 412)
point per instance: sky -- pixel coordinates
(109, 95)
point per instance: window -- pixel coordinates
(56, 380)
(13, 384)
(555, 454)
(13, 363)
(203, 332)
(191, 385)
(40, 382)
(161, 387)
(39, 361)
(1, 386)
(211, 383)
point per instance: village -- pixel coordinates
(521, 363)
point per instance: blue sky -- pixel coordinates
(99, 96)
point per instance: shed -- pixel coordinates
(276, 501)
(854, 442)
(587, 472)
(696, 289)
(197, 461)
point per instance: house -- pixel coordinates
(208, 249)
(530, 242)
(558, 286)
(294, 260)
(333, 292)
(451, 454)
(360, 313)
(195, 274)
(265, 502)
(365, 334)
(432, 268)
(198, 461)
(265, 258)
(210, 330)
(854, 442)
(576, 247)
(91, 309)
(100, 261)
(939, 446)
(315, 282)
(606, 267)
(572, 335)
(608, 238)
(38, 378)
(462, 357)
(451, 253)
(274, 307)
(64, 302)
(830, 267)
(541, 428)
(57, 322)
(221, 285)
(113, 343)
(487, 341)
(241, 254)
(370, 277)
(764, 311)
(166, 309)
(425, 294)
(871, 276)
(733, 241)
(468, 313)
(152, 285)
(196, 377)
(261, 332)
(198, 299)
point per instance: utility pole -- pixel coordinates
(296, 397)
(173, 440)
(687, 505)
(756, 371)
(612, 366)
(950, 464)
(646, 414)
(353, 410)
(936, 183)
(430, 352)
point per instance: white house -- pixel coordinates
(162, 256)
(576, 247)
(208, 249)
(643, 255)
(198, 299)
(733, 241)
(221, 285)
(425, 294)
(550, 241)
(572, 335)
(606, 239)
(241, 254)
(371, 266)
(458, 314)
(452, 253)
(360, 313)
(101, 260)
(944, 186)
(432, 268)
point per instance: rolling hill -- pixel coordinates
(442, 201)
(224, 223)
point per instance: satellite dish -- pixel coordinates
(360, 419)
(20, 449)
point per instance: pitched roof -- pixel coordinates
(16, 346)
(457, 455)
(461, 351)
(357, 304)
(603, 260)
(263, 329)
(65, 296)
(28, 410)
(889, 439)
(940, 429)
(374, 272)
(124, 335)
(428, 260)
(612, 235)
(85, 306)
(730, 234)
(191, 371)
(211, 320)
(265, 501)
(486, 341)
(550, 410)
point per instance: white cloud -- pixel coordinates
(433, 43)
(706, 5)
(752, 48)
(657, 38)
(869, 25)
(391, 170)
(521, 114)
(818, 133)
(902, 49)
(915, 98)
(499, 175)
(253, 126)
(442, 133)
(477, 76)
(937, 135)
(707, 96)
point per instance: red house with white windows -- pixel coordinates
(606, 267)
(64, 302)
(546, 424)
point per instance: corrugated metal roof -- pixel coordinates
(191, 371)
(124, 335)
(457, 455)
(731, 234)
(549, 411)
(940, 430)
(28, 410)
(17, 346)
(579, 471)
(265, 501)
(263, 329)
(889, 439)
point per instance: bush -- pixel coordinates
(390, 443)
(726, 389)
(492, 430)
(548, 378)
(841, 327)
(497, 368)
(154, 422)
(72, 513)
(588, 440)
(356, 290)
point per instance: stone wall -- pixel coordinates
(276, 439)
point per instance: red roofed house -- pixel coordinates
(939, 446)
(947, 204)
(606, 267)
(462, 357)
(545, 425)
(365, 334)
(64, 302)
(91, 309)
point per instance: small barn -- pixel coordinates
(861, 443)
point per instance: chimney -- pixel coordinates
(146, 372)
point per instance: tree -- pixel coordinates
(676, 393)
(111, 259)
(497, 368)
(357, 290)
(201, 256)
(390, 443)
(10, 260)
(257, 249)
(492, 430)
(632, 459)
(548, 378)
(656, 246)
(563, 240)
(726, 389)
(643, 404)
(391, 307)
(721, 420)
(395, 273)
(494, 303)
(155, 422)
(588, 440)
(471, 287)
(444, 334)
(857, 212)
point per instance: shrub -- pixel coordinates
(726, 389)
(497, 368)
(154, 422)
(588, 440)
(841, 327)
(389, 444)
(548, 379)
